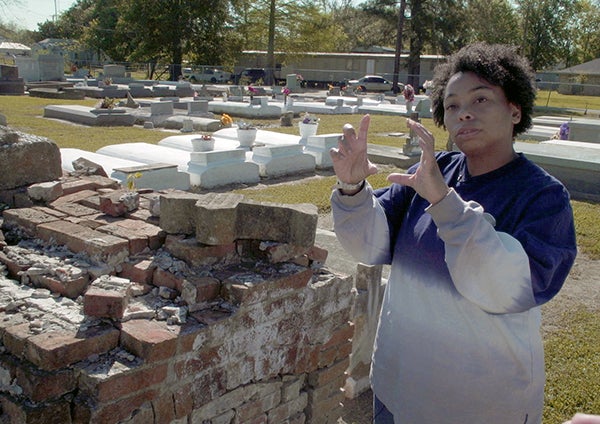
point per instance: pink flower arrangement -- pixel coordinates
(286, 91)
(409, 93)
(252, 89)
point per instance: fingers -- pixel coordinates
(363, 128)
(402, 179)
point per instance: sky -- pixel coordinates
(28, 13)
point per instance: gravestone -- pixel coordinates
(27, 159)
(198, 107)
(10, 83)
(113, 71)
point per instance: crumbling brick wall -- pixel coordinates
(218, 311)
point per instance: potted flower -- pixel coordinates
(308, 125)
(409, 97)
(252, 91)
(226, 120)
(205, 143)
(246, 133)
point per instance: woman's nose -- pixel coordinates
(465, 113)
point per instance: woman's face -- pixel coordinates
(478, 116)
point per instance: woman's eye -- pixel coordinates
(481, 99)
(450, 107)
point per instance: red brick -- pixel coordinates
(140, 271)
(318, 254)
(106, 303)
(256, 408)
(14, 266)
(200, 289)
(265, 289)
(340, 336)
(326, 375)
(73, 209)
(137, 242)
(27, 413)
(112, 203)
(197, 254)
(75, 192)
(15, 338)
(121, 384)
(71, 186)
(209, 316)
(164, 408)
(54, 350)
(39, 385)
(156, 236)
(150, 340)
(82, 239)
(72, 288)
(27, 218)
(162, 278)
(141, 235)
(188, 334)
(122, 409)
(183, 401)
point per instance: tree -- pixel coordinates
(492, 21)
(585, 38)
(544, 30)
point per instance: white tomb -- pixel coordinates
(319, 146)
(158, 176)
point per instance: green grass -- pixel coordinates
(572, 355)
(553, 99)
(573, 367)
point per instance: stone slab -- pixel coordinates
(246, 110)
(155, 176)
(147, 153)
(577, 167)
(84, 115)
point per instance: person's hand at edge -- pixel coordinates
(584, 419)
(427, 181)
(350, 161)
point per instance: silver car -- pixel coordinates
(371, 83)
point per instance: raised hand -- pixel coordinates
(350, 161)
(427, 181)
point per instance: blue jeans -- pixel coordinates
(381, 415)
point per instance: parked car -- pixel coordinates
(251, 75)
(371, 83)
(212, 75)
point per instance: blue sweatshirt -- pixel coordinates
(458, 339)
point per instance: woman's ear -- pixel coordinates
(516, 113)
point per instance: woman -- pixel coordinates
(477, 241)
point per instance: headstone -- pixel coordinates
(291, 82)
(10, 83)
(236, 94)
(27, 159)
(199, 107)
(188, 126)
(411, 146)
(114, 71)
(161, 108)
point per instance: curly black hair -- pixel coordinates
(500, 65)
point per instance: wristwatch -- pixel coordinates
(349, 187)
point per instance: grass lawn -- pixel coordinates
(573, 357)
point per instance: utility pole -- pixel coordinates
(395, 88)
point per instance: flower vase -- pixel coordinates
(307, 130)
(246, 137)
(203, 144)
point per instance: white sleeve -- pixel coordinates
(489, 268)
(361, 226)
